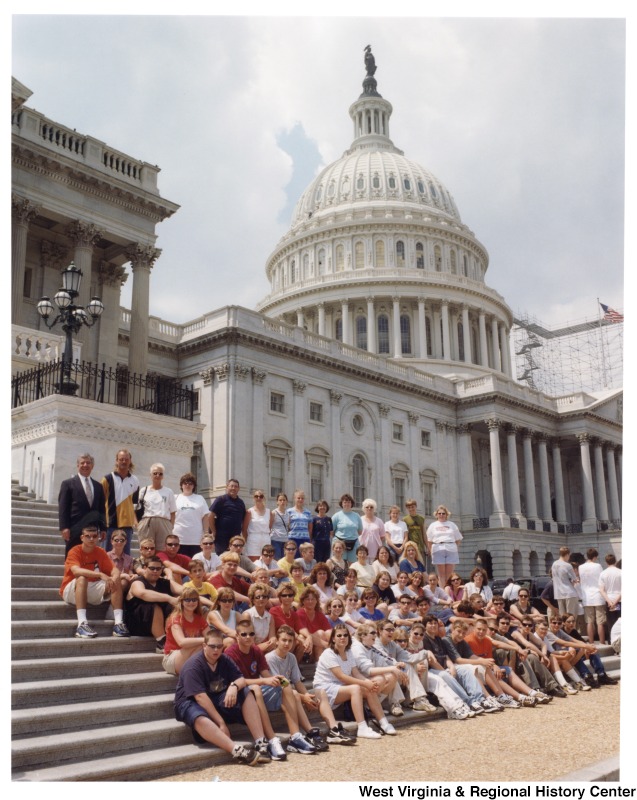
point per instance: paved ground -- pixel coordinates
(526, 744)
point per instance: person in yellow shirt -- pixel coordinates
(207, 591)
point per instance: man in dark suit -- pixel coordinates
(81, 501)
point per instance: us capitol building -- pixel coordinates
(379, 363)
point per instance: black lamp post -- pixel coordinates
(72, 318)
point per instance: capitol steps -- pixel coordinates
(100, 709)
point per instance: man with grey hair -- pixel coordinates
(80, 502)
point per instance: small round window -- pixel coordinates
(358, 423)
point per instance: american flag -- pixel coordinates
(610, 315)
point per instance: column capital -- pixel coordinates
(111, 274)
(241, 372)
(83, 234)
(53, 254)
(222, 372)
(395, 299)
(463, 429)
(583, 438)
(441, 425)
(383, 410)
(22, 210)
(320, 304)
(493, 424)
(207, 375)
(421, 299)
(335, 397)
(413, 417)
(142, 255)
(298, 387)
(258, 376)
(512, 428)
(541, 437)
(528, 433)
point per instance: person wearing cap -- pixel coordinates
(91, 577)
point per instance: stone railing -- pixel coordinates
(38, 347)
(35, 127)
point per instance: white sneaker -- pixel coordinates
(477, 707)
(491, 705)
(277, 753)
(422, 704)
(507, 702)
(569, 689)
(365, 732)
(388, 728)
(396, 710)
(464, 712)
(582, 687)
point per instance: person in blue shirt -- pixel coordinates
(347, 525)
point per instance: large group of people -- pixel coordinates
(239, 600)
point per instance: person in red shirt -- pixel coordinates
(227, 576)
(91, 577)
(172, 559)
(514, 692)
(286, 614)
(185, 628)
(314, 620)
(272, 692)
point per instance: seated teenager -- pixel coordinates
(402, 616)
(149, 601)
(351, 577)
(382, 587)
(286, 614)
(375, 665)
(321, 579)
(261, 619)
(352, 616)
(185, 629)
(402, 587)
(210, 560)
(314, 620)
(206, 591)
(365, 573)
(307, 560)
(368, 610)
(223, 616)
(569, 623)
(227, 577)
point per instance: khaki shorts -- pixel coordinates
(96, 593)
(168, 662)
(595, 614)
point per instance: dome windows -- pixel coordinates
(345, 187)
(383, 333)
(405, 335)
(359, 255)
(438, 258)
(421, 187)
(380, 253)
(406, 184)
(400, 253)
(432, 189)
(420, 255)
(340, 258)
(319, 194)
(331, 190)
(360, 182)
(391, 182)
(361, 332)
(376, 182)
(454, 265)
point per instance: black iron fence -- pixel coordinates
(155, 393)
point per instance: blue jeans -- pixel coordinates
(453, 684)
(279, 549)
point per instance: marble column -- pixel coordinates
(468, 510)
(513, 474)
(336, 483)
(466, 334)
(111, 279)
(321, 319)
(446, 339)
(422, 328)
(601, 502)
(545, 485)
(495, 345)
(484, 358)
(589, 523)
(300, 321)
(558, 480)
(529, 480)
(398, 353)
(615, 512)
(85, 236)
(371, 326)
(345, 320)
(142, 258)
(22, 212)
(504, 349)
(498, 518)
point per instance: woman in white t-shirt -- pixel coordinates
(395, 532)
(159, 509)
(191, 517)
(442, 538)
(337, 674)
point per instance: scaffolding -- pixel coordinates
(585, 355)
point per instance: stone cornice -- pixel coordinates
(91, 182)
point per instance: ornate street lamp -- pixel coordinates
(72, 317)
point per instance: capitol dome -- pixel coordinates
(377, 257)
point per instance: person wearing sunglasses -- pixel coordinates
(272, 693)
(523, 608)
(261, 619)
(257, 525)
(121, 559)
(211, 693)
(185, 628)
(443, 537)
(90, 577)
(286, 614)
(210, 560)
(160, 508)
(150, 600)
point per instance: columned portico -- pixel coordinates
(85, 236)
(482, 326)
(615, 511)
(22, 213)
(558, 480)
(545, 485)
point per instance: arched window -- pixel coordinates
(359, 255)
(400, 253)
(359, 483)
(340, 257)
(360, 183)
(338, 330)
(461, 342)
(331, 189)
(438, 258)
(405, 335)
(376, 182)
(380, 253)
(319, 194)
(407, 184)
(420, 255)
(292, 271)
(391, 182)
(383, 333)
(454, 266)
(321, 261)
(361, 332)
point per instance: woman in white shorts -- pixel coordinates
(442, 538)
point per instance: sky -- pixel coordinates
(522, 119)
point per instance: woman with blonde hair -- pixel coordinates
(373, 533)
(442, 540)
(257, 524)
(223, 617)
(185, 628)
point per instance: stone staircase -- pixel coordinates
(98, 709)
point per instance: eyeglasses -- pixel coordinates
(215, 646)
(226, 599)
(259, 496)
(400, 641)
(404, 602)
(118, 541)
(247, 635)
(527, 624)
(237, 544)
(155, 569)
(523, 595)
(260, 597)
(336, 605)
(286, 595)
(441, 513)
(268, 552)
(290, 549)
(455, 580)
(157, 473)
(192, 483)
(207, 544)
(341, 636)
(417, 634)
(172, 544)
(190, 600)
(498, 602)
(148, 548)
